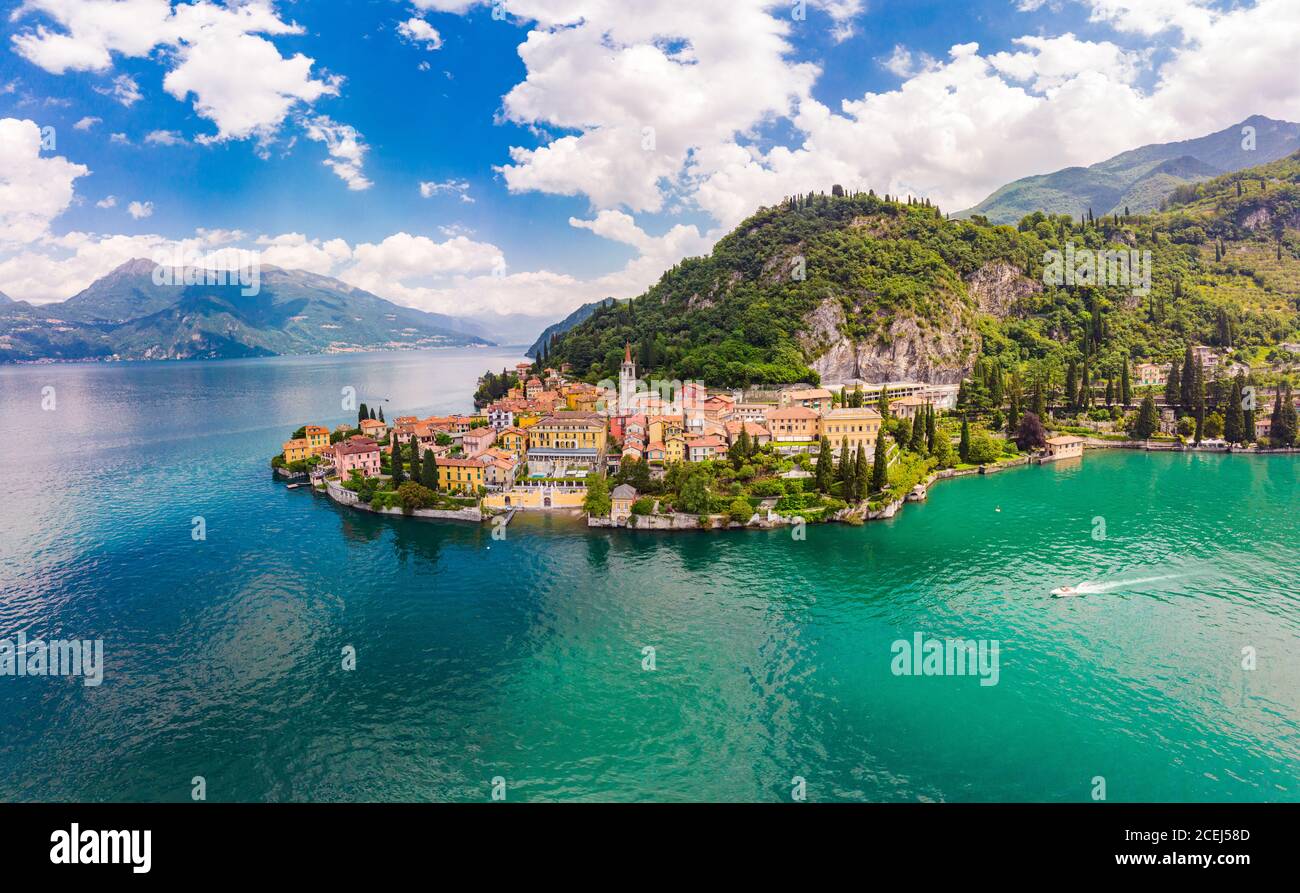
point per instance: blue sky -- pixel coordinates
(214, 122)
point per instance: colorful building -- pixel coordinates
(461, 475)
(297, 450)
(318, 438)
(478, 440)
(816, 399)
(861, 425)
(373, 428)
(569, 439)
(701, 449)
(792, 424)
(357, 453)
(514, 440)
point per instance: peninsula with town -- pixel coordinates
(839, 352)
(699, 457)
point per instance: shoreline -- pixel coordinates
(854, 516)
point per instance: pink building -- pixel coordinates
(359, 453)
(478, 440)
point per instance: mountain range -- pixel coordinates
(1142, 179)
(127, 315)
(842, 286)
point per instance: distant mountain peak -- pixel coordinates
(1141, 179)
(137, 266)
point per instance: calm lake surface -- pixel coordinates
(523, 658)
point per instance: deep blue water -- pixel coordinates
(522, 659)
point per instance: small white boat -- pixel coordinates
(1064, 592)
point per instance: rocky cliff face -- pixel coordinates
(941, 349)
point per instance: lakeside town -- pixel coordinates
(676, 455)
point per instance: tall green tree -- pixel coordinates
(1234, 427)
(399, 476)
(880, 467)
(1148, 419)
(429, 470)
(862, 475)
(1173, 385)
(917, 442)
(1125, 386)
(929, 429)
(1284, 429)
(963, 447)
(825, 466)
(848, 470)
(362, 413)
(1186, 396)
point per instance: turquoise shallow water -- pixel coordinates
(523, 658)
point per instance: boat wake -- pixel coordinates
(1096, 588)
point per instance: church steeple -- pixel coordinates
(627, 378)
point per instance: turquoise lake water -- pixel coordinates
(523, 658)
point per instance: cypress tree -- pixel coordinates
(1233, 423)
(848, 471)
(1148, 420)
(929, 429)
(362, 413)
(861, 475)
(1039, 401)
(398, 477)
(879, 467)
(963, 448)
(1275, 423)
(1288, 419)
(1071, 386)
(1173, 385)
(825, 466)
(1186, 396)
(1125, 386)
(429, 471)
(917, 444)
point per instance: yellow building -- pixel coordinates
(861, 425)
(318, 438)
(568, 431)
(662, 427)
(464, 475)
(582, 401)
(526, 420)
(537, 498)
(675, 448)
(514, 440)
(297, 450)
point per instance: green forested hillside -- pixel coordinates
(1225, 270)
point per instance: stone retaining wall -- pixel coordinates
(344, 496)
